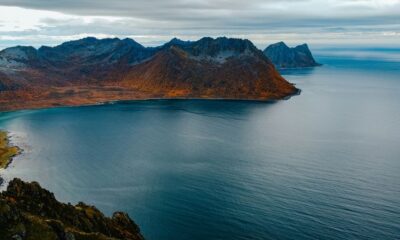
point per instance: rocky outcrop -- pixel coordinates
(285, 57)
(7, 151)
(30, 212)
(94, 70)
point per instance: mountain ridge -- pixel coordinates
(92, 70)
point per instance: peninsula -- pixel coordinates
(90, 70)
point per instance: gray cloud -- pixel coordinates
(149, 8)
(155, 21)
(193, 10)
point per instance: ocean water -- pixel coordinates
(322, 165)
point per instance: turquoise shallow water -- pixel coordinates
(322, 165)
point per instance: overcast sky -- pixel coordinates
(152, 22)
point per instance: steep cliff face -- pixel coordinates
(284, 57)
(91, 70)
(30, 212)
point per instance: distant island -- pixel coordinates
(283, 56)
(27, 211)
(90, 71)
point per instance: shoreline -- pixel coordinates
(113, 101)
(22, 214)
(8, 152)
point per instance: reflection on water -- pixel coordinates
(322, 165)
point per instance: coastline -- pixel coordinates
(8, 152)
(35, 106)
(29, 211)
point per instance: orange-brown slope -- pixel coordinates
(89, 71)
(176, 73)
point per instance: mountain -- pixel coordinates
(210, 68)
(27, 211)
(285, 57)
(91, 70)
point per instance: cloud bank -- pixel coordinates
(152, 22)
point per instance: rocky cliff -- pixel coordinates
(94, 70)
(30, 212)
(285, 57)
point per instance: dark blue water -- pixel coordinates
(322, 165)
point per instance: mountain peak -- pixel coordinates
(131, 42)
(280, 44)
(285, 57)
(80, 42)
(19, 53)
(212, 47)
(176, 42)
(95, 42)
(91, 50)
(303, 47)
(89, 39)
(218, 49)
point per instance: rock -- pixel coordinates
(27, 211)
(284, 57)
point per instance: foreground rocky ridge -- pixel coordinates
(94, 70)
(285, 57)
(30, 212)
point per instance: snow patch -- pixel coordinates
(222, 56)
(10, 63)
